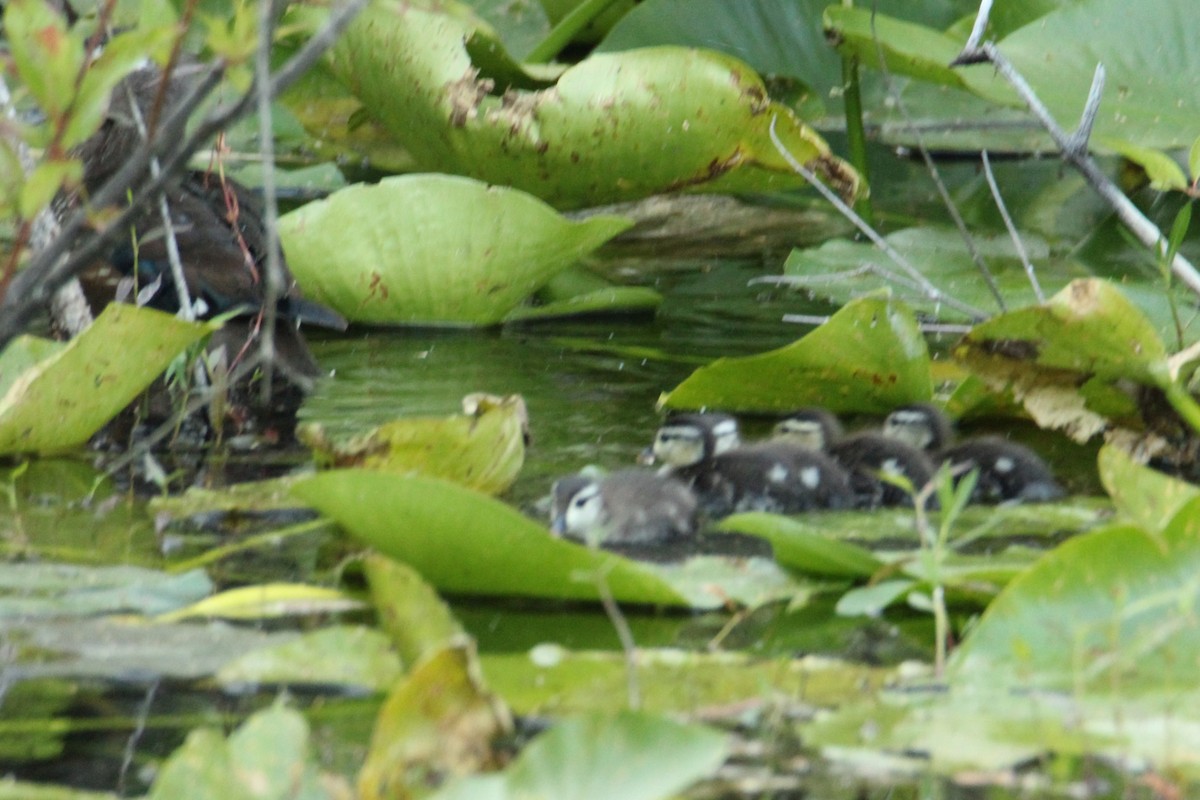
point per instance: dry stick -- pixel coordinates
(1012, 229)
(31, 289)
(936, 175)
(1074, 147)
(625, 635)
(927, 289)
(274, 266)
(186, 311)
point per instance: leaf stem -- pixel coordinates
(562, 33)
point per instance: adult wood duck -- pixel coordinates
(1008, 471)
(632, 506)
(703, 450)
(221, 239)
(868, 456)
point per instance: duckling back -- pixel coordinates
(633, 506)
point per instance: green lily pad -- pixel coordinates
(483, 450)
(869, 357)
(1059, 63)
(56, 590)
(439, 720)
(1147, 498)
(550, 680)
(268, 757)
(418, 621)
(805, 547)
(1108, 611)
(905, 47)
(60, 402)
(616, 126)
(835, 269)
(466, 543)
(352, 657)
(578, 292)
(432, 249)
(629, 755)
(1063, 359)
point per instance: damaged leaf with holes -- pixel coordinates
(616, 126)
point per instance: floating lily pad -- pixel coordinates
(577, 292)
(869, 357)
(805, 547)
(440, 720)
(464, 542)
(351, 657)
(1147, 498)
(410, 611)
(616, 126)
(432, 249)
(60, 402)
(55, 590)
(628, 755)
(483, 450)
(905, 47)
(1059, 63)
(266, 601)
(269, 756)
(1107, 611)
(1065, 359)
(551, 680)
(836, 270)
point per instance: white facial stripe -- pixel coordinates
(1004, 464)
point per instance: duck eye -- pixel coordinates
(580, 502)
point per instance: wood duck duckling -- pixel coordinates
(866, 455)
(1008, 471)
(703, 451)
(632, 506)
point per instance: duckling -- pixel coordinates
(703, 451)
(632, 506)
(865, 455)
(1008, 471)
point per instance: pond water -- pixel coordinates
(591, 387)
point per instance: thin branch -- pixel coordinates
(274, 264)
(936, 175)
(1074, 151)
(31, 289)
(928, 290)
(981, 22)
(1012, 228)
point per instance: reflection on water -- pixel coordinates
(591, 386)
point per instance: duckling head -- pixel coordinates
(810, 428)
(687, 439)
(921, 425)
(577, 506)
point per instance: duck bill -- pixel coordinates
(646, 457)
(558, 525)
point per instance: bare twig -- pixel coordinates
(927, 289)
(31, 289)
(936, 175)
(274, 264)
(1018, 244)
(1074, 147)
